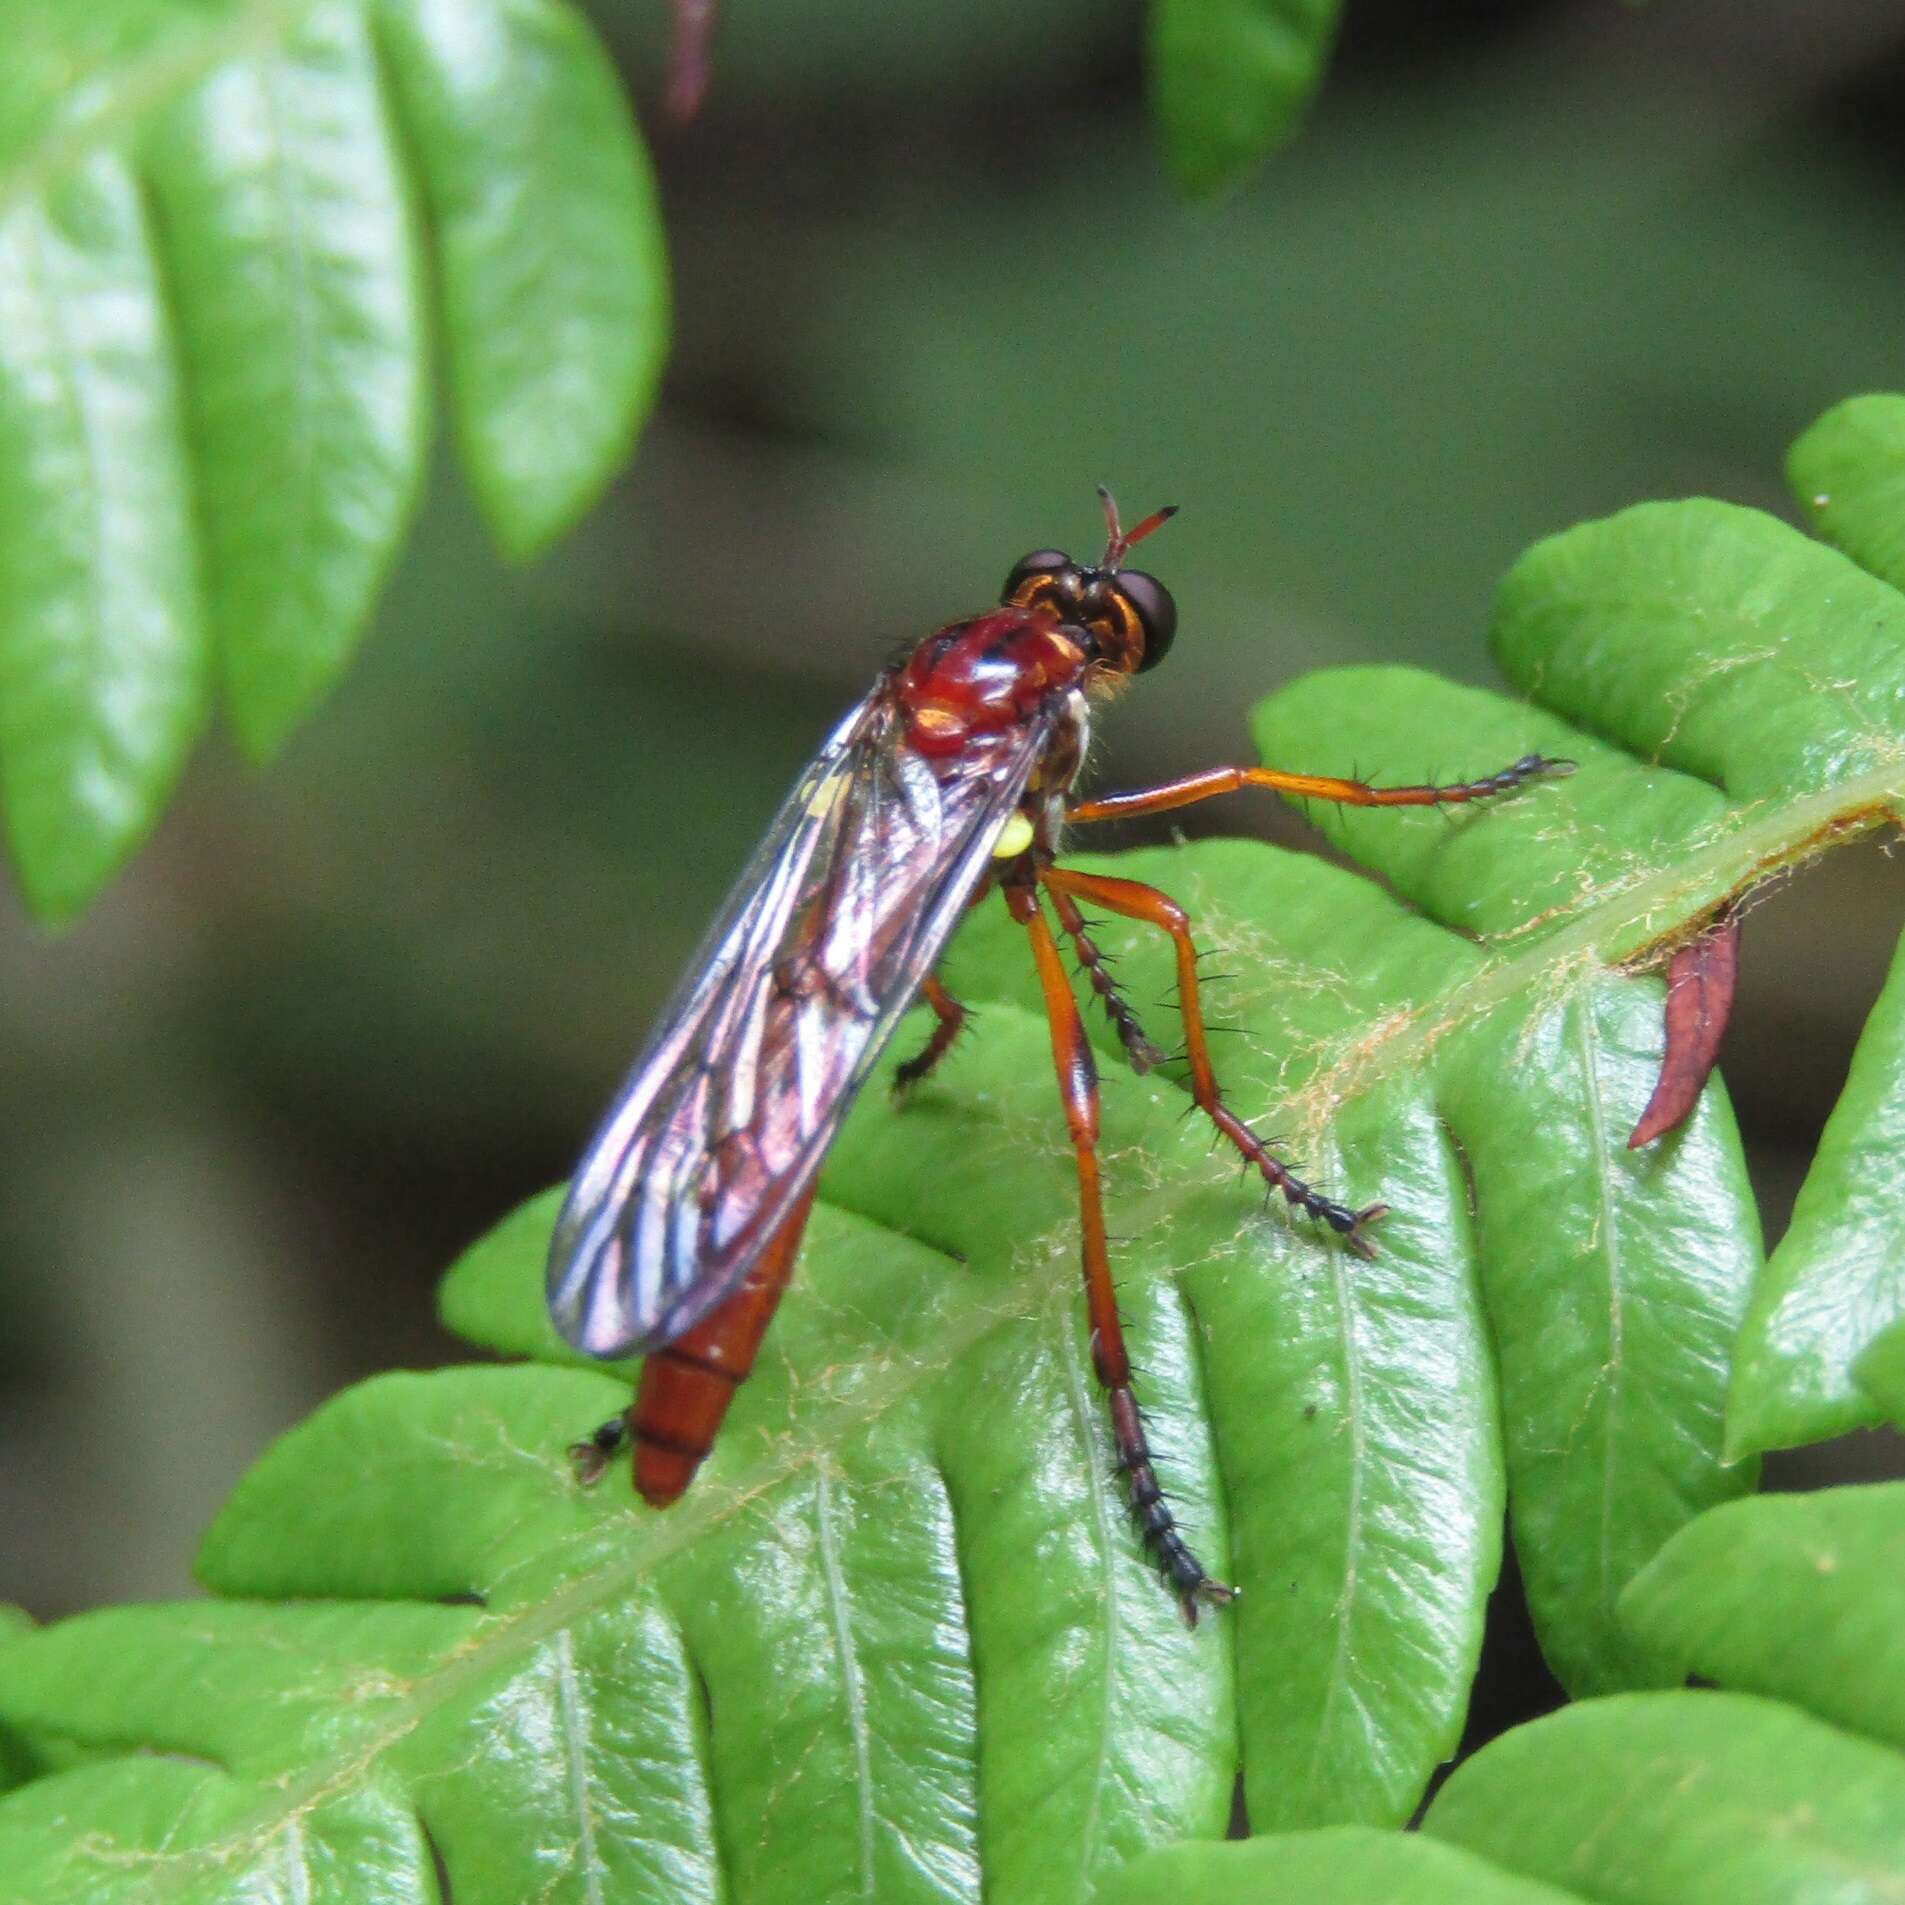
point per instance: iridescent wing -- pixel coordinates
(819, 950)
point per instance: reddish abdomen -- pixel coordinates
(687, 1384)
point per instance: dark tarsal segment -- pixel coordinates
(950, 1019)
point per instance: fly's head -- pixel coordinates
(1127, 617)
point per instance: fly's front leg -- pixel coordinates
(1134, 900)
(1228, 780)
(1078, 1084)
(950, 1020)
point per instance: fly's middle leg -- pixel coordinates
(1078, 1084)
(1134, 900)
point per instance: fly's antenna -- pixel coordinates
(1122, 542)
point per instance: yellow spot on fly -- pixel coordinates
(1014, 837)
(828, 795)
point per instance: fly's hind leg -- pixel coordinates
(1078, 1083)
(1134, 900)
(950, 1019)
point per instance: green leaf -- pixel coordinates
(1231, 78)
(1614, 1280)
(553, 277)
(1340, 1865)
(1848, 472)
(1881, 1373)
(104, 656)
(1838, 1277)
(214, 375)
(1353, 1403)
(900, 1638)
(1724, 1797)
(1793, 1596)
(1721, 642)
(1733, 648)
(1727, 646)
(291, 267)
(1685, 1799)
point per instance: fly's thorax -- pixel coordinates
(984, 675)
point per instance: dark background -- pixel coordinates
(1526, 263)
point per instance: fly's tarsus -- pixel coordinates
(592, 1456)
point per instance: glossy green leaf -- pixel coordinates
(1685, 1799)
(1721, 642)
(1614, 1280)
(215, 221)
(1353, 1402)
(1837, 1279)
(1738, 651)
(1848, 472)
(881, 1588)
(1230, 80)
(1790, 1595)
(171, 1824)
(1340, 1865)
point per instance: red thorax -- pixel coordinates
(979, 676)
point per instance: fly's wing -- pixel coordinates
(819, 950)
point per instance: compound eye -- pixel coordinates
(1054, 563)
(1157, 614)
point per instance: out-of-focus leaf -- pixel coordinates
(1339, 1865)
(1837, 1279)
(1881, 1373)
(1848, 472)
(1789, 1595)
(1685, 1799)
(550, 260)
(105, 663)
(1230, 80)
(214, 366)
(292, 278)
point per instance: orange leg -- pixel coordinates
(1134, 900)
(1228, 780)
(1078, 1084)
(952, 1017)
(687, 1385)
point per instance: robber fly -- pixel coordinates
(952, 777)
